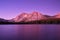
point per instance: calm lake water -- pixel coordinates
(30, 32)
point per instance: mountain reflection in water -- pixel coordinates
(30, 32)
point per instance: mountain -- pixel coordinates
(20, 17)
(49, 17)
(57, 15)
(29, 17)
(35, 16)
(32, 18)
(3, 20)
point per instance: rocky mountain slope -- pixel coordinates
(29, 17)
(57, 15)
(32, 18)
(2, 20)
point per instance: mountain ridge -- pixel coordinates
(32, 17)
(29, 17)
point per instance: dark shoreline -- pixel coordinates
(46, 21)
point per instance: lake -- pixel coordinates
(30, 32)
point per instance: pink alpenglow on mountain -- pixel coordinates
(29, 17)
(57, 15)
(20, 17)
(35, 16)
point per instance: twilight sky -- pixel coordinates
(11, 8)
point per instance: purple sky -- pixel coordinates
(11, 8)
